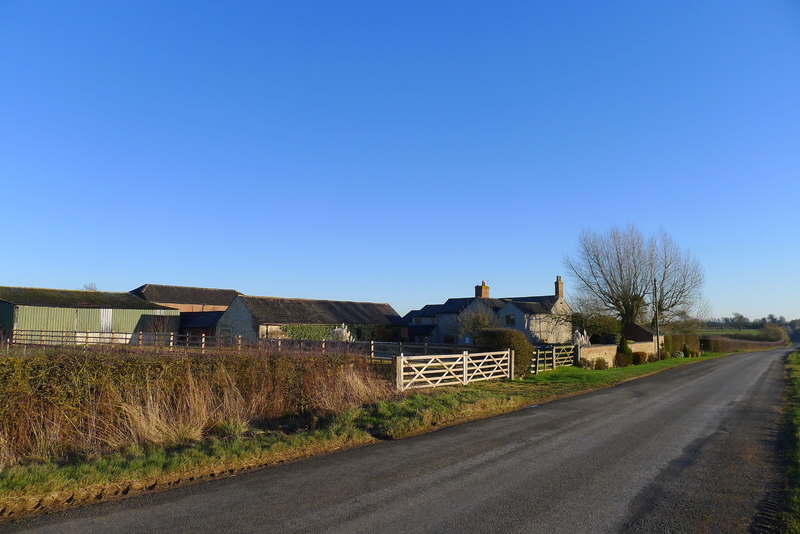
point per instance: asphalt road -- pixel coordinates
(693, 449)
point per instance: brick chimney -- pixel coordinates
(559, 288)
(482, 291)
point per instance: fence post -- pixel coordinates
(203, 343)
(536, 369)
(279, 345)
(239, 343)
(576, 360)
(426, 349)
(511, 364)
(140, 338)
(171, 340)
(398, 371)
(323, 346)
(465, 355)
(372, 350)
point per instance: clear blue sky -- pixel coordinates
(397, 152)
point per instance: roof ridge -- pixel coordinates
(314, 300)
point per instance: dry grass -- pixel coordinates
(61, 405)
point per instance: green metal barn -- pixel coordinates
(31, 312)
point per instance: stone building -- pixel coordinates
(544, 319)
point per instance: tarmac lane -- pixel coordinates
(692, 449)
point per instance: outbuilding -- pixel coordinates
(275, 317)
(38, 315)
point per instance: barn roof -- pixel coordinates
(67, 298)
(186, 295)
(275, 310)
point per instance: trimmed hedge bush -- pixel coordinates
(651, 358)
(675, 342)
(639, 358)
(493, 339)
(600, 364)
(623, 359)
(687, 353)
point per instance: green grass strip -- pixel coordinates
(791, 517)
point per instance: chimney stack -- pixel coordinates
(559, 288)
(482, 291)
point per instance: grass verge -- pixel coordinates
(47, 486)
(791, 517)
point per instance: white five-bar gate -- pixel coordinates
(452, 369)
(548, 358)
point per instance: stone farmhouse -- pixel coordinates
(544, 319)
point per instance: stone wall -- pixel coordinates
(607, 352)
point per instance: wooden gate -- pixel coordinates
(413, 372)
(550, 357)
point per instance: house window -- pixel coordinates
(511, 320)
(417, 320)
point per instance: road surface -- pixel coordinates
(693, 449)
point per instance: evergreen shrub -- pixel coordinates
(494, 339)
(623, 359)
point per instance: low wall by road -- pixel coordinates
(607, 352)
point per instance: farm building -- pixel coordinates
(273, 317)
(187, 299)
(200, 323)
(34, 311)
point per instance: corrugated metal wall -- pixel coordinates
(88, 319)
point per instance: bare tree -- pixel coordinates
(91, 286)
(471, 321)
(615, 272)
(678, 277)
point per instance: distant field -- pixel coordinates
(729, 331)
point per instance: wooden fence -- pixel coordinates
(426, 371)
(551, 357)
(172, 341)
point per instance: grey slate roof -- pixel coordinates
(533, 308)
(429, 310)
(67, 298)
(186, 295)
(276, 310)
(534, 305)
(546, 301)
(457, 305)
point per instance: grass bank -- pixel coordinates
(792, 515)
(41, 486)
